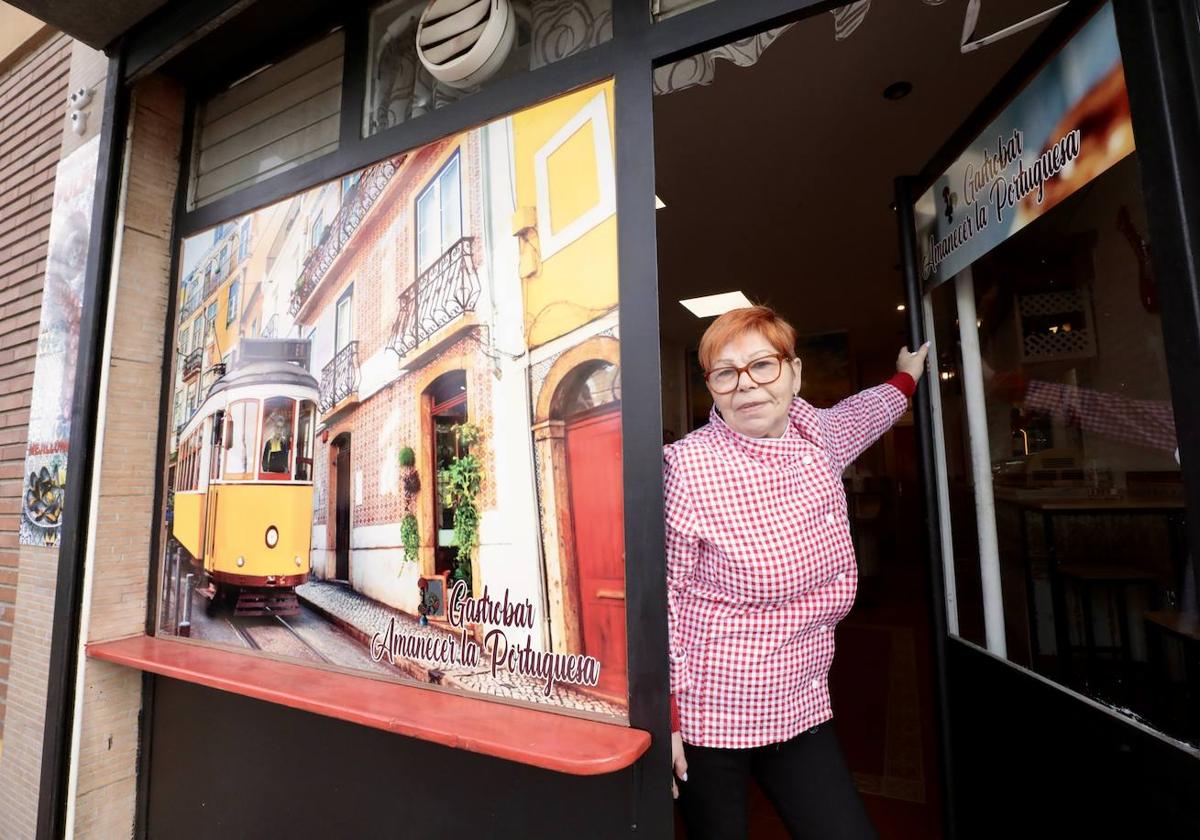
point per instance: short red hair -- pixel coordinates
(738, 322)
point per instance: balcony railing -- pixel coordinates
(339, 378)
(441, 293)
(355, 207)
(272, 325)
(192, 363)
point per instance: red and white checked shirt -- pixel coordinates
(1148, 423)
(760, 566)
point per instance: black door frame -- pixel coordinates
(180, 39)
(1160, 46)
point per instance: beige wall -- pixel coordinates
(17, 29)
(104, 779)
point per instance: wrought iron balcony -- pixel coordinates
(339, 378)
(355, 207)
(441, 293)
(192, 363)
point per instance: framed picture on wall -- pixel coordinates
(828, 372)
(337, 458)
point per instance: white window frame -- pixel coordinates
(434, 187)
(595, 112)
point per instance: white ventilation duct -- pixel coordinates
(462, 43)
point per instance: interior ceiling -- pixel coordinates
(778, 177)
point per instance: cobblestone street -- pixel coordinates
(363, 617)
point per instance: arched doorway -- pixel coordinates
(588, 401)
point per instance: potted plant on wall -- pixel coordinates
(464, 478)
(410, 484)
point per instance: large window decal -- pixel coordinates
(417, 463)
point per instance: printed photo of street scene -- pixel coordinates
(395, 437)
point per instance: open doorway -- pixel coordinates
(341, 447)
(776, 158)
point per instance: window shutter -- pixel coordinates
(269, 123)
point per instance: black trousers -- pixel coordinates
(806, 779)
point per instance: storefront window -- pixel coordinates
(424, 55)
(412, 488)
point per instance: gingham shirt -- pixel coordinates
(1148, 423)
(760, 566)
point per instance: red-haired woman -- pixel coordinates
(760, 569)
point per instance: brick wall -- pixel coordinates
(33, 96)
(105, 783)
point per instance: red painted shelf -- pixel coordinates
(529, 736)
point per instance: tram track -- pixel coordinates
(243, 629)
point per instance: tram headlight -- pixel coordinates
(298, 561)
(272, 536)
(241, 561)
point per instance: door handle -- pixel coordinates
(611, 594)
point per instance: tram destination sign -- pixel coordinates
(1068, 124)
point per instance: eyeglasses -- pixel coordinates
(764, 371)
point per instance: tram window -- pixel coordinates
(212, 441)
(278, 416)
(304, 442)
(195, 473)
(241, 427)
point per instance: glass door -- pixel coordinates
(1054, 455)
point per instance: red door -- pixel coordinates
(597, 513)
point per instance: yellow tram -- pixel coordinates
(244, 489)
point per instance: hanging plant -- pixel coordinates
(410, 480)
(463, 478)
(410, 537)
(411, 485)
(408, 458)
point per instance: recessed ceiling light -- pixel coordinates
(900, 307)
(659, 203)
(897, 90)
(712, 305)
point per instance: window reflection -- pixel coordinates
(1078, 429)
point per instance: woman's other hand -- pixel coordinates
(913, 363)
(678, 762)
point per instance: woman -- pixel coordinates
(760, 569)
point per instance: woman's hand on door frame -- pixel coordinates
(912, 363)
(678, 763)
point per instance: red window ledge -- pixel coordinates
(529, 736)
